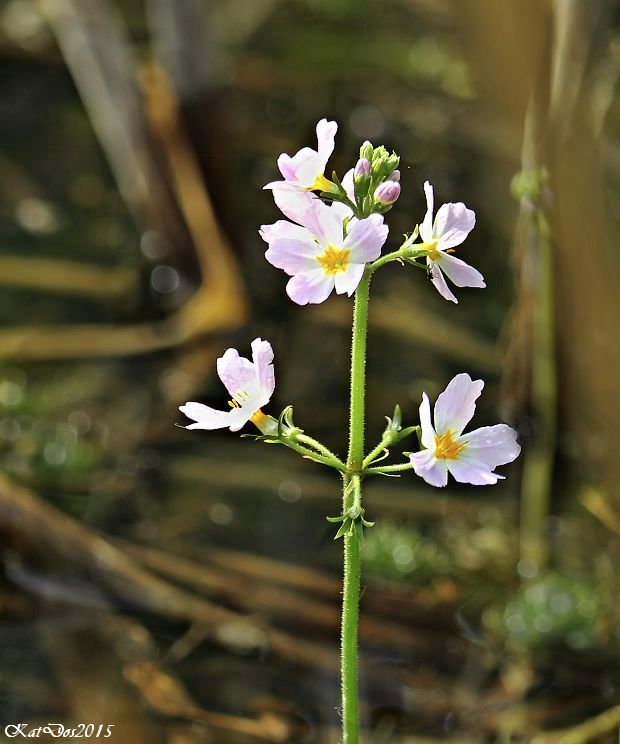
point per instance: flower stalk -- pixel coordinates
(332, 241)
(351, 497)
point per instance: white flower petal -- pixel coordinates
(347, 281)
(325, 135)
(365, 240)
(492, 445)
(293, 256)
(209, 418)
(291, 202)
(459, 272)
(467, 470)
(324, 224)
(455, 407)
(349, 185)
(453, 224)
(433, 471)
(303, 168)
(426, 227)
(310, 287)
(437, 278)
(262, 357)
(428, 433)
(283, 229)
(236, 372)
(342, 211)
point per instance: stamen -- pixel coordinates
(446, 448)
(433, 252)
(334, 260)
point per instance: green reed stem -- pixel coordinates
(352, 548)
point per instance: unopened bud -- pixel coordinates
(395, 176)
(387, 192)
(366, 150)
(391, 162)
(362, 168)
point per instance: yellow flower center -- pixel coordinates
(433, 252)
(322, 184)
(446, 448)
(334, 260)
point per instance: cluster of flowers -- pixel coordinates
(326, 246)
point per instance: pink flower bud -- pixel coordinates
(395, 176)
(362, 168)
(387, 192)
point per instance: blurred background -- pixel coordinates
(184, 586)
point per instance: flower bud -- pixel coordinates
(387, 193)
(366, 150)
(391, 162)
(362, 168)
(395, 176)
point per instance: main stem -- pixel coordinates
(352, 552)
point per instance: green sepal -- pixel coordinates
(366, 151)
(286, 425)
(393, 423)
(337, 181)
(407, 431)
(353, 522)
(345, 528)
(359, 529)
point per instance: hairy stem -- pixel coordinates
(310, 442)
(352, 548)
(332, 461)
(358, 373)
(386, 469)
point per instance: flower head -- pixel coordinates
(472, 457)
(450, 227)
(250, 385)
(305, 170)
(362, 168)
(318, 255)
(387, 192)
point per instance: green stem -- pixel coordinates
(352, 548)
(332, 462)
(350, 621)
(388, 469)
(374, 454)
(305, 439)
(358, 373)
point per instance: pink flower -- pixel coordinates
(451, 226)
(319, 256)
(471, 458)
(305, 170)
(250, 385)
(362, 168)
(387, 192)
